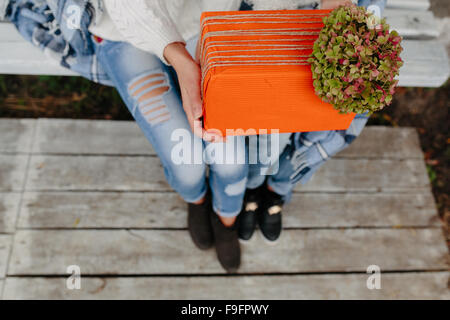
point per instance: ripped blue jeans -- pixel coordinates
(150, 90)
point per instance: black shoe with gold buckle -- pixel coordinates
(269, 220)
(249, 215)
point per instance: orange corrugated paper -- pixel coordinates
(255, 75)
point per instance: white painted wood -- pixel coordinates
(137, 252)
(94, 173)
(9, 33)
(24, 58)
(426, 64)
(409, 4)
(5, 246)
(412, 23)
(12, 172)
(407, 21)
(73, 210)
(125, 138)
(9, 208)
(430, 285)
(16, 135)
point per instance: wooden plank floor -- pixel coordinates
(92, 193)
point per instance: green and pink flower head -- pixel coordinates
(355, 61)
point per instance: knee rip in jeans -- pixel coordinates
(148, 91)
(236, 188)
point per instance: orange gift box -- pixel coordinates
(255, 74)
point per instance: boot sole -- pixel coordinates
(247, 240)
(243, 241)
(267, 241)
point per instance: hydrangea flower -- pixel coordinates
(355, 61)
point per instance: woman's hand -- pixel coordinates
(189, 78)
(333, 4)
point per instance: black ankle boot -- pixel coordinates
(199, 224)
(270, 221)
(249, 215)
(227, 244)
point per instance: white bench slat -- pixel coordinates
(404, 4)
(409, 4)
(415, 23)
(426, 62)
(23, 58)
(9, 33)
(412, 23)
(428, 285)
(409, 23)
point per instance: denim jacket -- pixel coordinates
(60, 29)
(308, 151)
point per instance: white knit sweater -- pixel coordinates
(151, 25)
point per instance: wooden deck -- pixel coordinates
(92, 194)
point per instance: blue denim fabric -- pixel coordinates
(60, 29)
(258, 172)
(162, 119)
(381, 4)
(309, 151)
(304, 154)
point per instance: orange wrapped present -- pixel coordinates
(255, 74)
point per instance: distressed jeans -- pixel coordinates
(150, 90)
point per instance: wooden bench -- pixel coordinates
(93, 194)
(426, 61)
